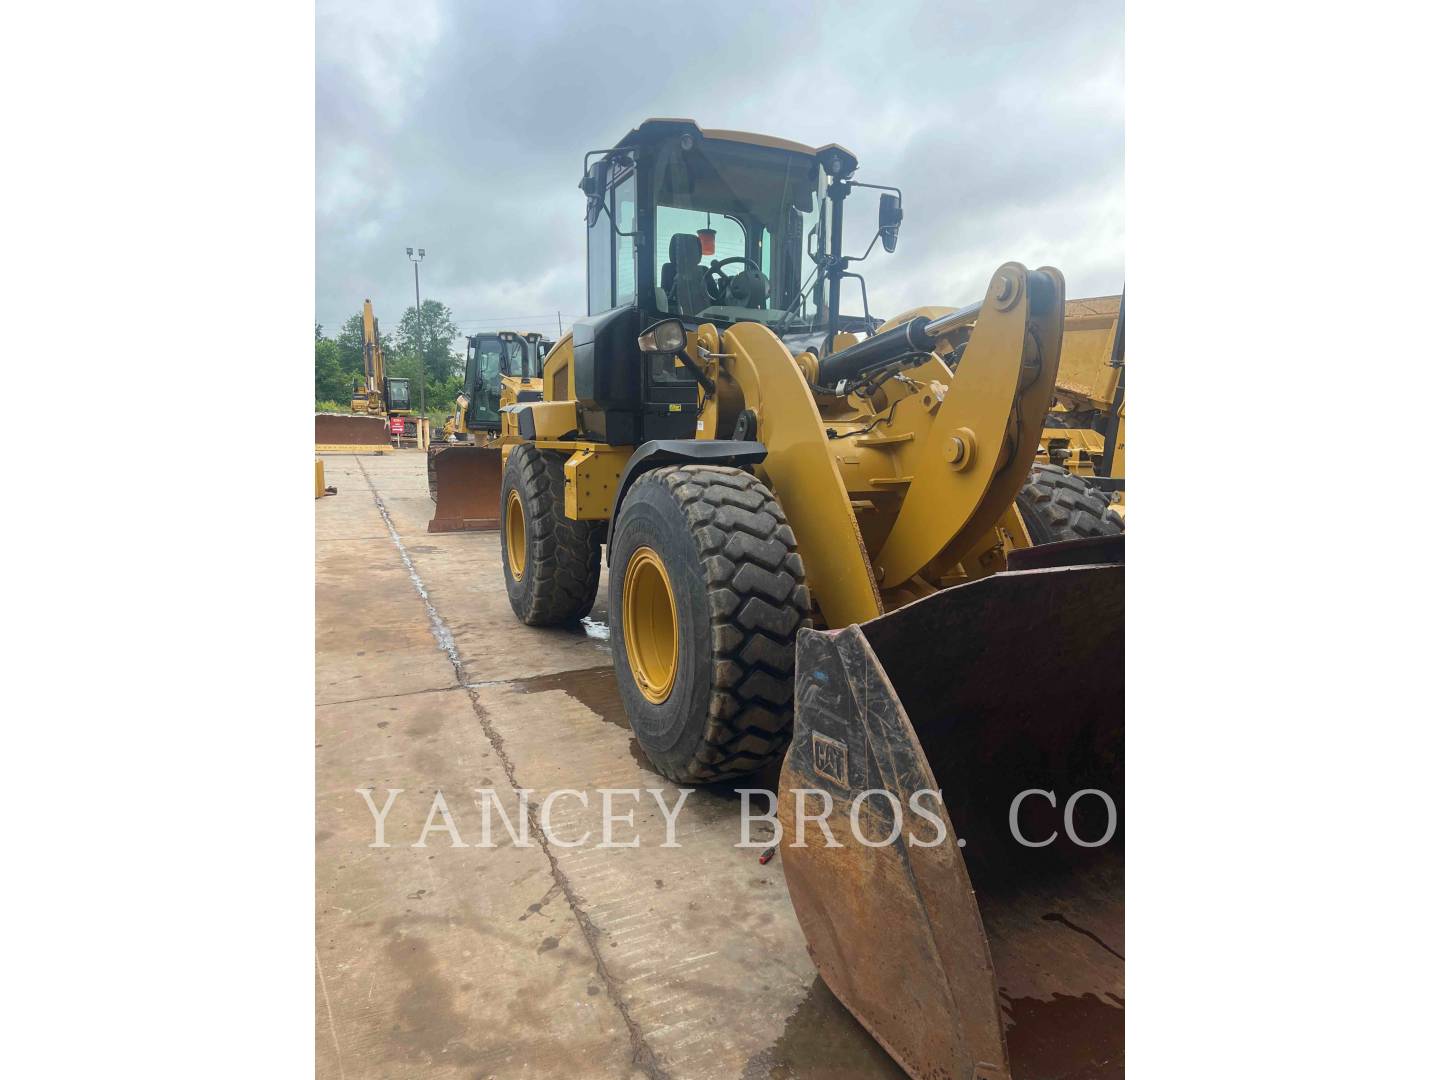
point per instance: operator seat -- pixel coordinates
(682, 277)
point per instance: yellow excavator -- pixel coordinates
(380, 412)
(501, 368)
(809, 518)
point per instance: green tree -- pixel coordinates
(436, 328)
(433, 335)
(351, 340)
(331, 383)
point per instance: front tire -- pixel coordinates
(551, 564)
(707, 593)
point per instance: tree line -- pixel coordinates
(340, 360)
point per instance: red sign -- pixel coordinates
(397, 425)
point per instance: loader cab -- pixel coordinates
(709, 227)
(490, 357)
(537, 347)
(685, 224)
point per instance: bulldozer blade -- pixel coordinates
(981, 956)
(465, 484)
(336, 433)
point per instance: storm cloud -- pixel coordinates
(460, 127)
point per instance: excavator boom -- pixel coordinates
(367, 428)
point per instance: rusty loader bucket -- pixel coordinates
(336, 433)
(1002, 956)
(465, 484)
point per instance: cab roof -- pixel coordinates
(660, 127)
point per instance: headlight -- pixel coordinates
(666, 336)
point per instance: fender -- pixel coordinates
(658, 452)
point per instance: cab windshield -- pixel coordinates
(489, 357)
(399, 394)
(733, 225)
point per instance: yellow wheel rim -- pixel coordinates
(652, 633)
(515, 535)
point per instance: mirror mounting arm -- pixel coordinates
(861, 258)
(699, 372)
(615, 225)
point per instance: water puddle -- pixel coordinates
(595, 688)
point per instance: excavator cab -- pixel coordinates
(397, 395)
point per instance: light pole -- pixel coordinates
(419, 340)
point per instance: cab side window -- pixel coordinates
(611, 259)
(624, 207)
(599, 240)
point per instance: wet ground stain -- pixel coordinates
(1079, 1038)
(428, 1025)
(593, 687)
(596, 689)
(822, 1040)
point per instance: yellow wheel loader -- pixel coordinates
(501, 368)
(766, 483)
(377, 408)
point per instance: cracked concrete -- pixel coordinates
(520, 961)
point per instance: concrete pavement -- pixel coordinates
(533, 960)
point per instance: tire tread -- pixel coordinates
(1058, 505)
(758, 600)
(567, 569)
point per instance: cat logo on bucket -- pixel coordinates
(831, 758)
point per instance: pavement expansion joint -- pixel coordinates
(643, 1056)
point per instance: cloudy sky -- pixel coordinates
(459, 126)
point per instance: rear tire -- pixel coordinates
(737, 598)
(1056, 505)
(551, 564)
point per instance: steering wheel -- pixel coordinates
(717, 282)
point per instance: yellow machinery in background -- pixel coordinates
(1077, 487)
(764, 482)
(321, 488)
(501, 368)
(380, 412)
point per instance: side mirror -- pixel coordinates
(595, 184)
(890, 217)
(665, 337)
